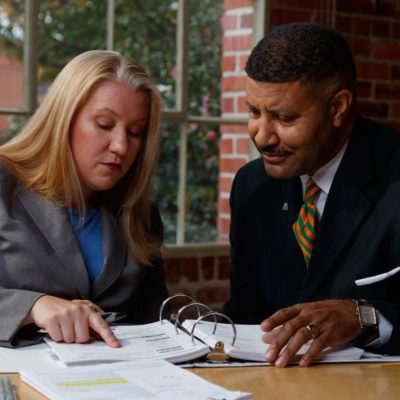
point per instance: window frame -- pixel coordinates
(179, 115)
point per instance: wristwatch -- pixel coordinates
(368, 318)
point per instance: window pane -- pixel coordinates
(205, 42)
(11, 56)
(145, 30)
(67, 29)
(166, 182)
(10, 125)
(202, 183)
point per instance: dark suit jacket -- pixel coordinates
(40, 255)
(358, 235)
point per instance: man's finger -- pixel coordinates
(301, 337)
(279, 318)
(317, 346)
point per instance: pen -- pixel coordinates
(109, 317)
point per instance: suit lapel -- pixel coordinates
(346, 206)
(115, 256)
(54, 225)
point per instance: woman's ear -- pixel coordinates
(340, 106)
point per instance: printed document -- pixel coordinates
(142, 380)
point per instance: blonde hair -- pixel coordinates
(41, 158)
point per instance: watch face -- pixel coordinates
(367, 315)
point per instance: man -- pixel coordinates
(294, 263)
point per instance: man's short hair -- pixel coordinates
(305, 52)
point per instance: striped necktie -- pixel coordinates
(303, 228)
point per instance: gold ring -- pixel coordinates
(314, 331)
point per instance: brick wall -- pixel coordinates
(11, 90)
(372, 28)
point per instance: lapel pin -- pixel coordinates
(285, 207)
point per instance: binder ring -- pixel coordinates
(215, 313)
(169, 299)
(198, 305)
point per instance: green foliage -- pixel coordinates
(145, 30)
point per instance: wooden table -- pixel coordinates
(327, 381)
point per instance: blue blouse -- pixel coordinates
(89, 234)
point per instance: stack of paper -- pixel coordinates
(124, 381)
(138, 342)
(249, 346)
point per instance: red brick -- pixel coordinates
(231, 164)
(228, 63)
(387, 91)
(395, 110)
(246, 21)
(242, 106)
(396, 30)
(227, 105)
(207, 267)
(229, 22)
(223, 205)
(373, 70)
(191, 269)
(242, 62)
(224, 184)
(285, 16)
(173, 270)
(395, 72)
(237, 42)
(213, 294)
(343, 24)
(223, 225)
(237, 3)
(360, 46)
(364, 89)
(233, 128)
(381, 29)
(223, 237)
(233, 83)
(386, 50)
(356, 6)
(243, 146)
(388, 8)
(361, 26)
(374, 110)
(223, 267)
(226, 146)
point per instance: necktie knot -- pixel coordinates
(304, 227)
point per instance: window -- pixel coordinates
(179, 42)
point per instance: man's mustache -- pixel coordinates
(273, 150)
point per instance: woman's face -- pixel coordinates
(107, 134)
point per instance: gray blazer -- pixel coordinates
(40, 255)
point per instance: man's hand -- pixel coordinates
(71, 321)
(336, 322)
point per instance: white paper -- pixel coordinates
(377, 278)
(124, 381)
(249, 346)
(138, 342)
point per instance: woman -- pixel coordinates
(78, 233)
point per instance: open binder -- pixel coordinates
(178, 340)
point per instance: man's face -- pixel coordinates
(293, 127)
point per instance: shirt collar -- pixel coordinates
(323, 177)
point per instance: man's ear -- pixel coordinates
(340, 106)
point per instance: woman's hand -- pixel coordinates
(71, 321)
